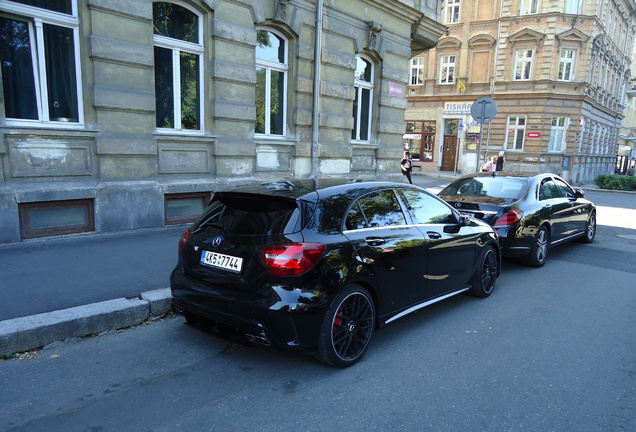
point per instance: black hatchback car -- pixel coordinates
(314, 266)
(531, 212)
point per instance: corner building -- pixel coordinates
(558, 71)
(120, 115)
(626, 163)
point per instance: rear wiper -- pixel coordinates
(205, 224)
(218, 225)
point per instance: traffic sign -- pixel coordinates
(484, 110)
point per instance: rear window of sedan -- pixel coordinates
(251, 214)
(493, 187)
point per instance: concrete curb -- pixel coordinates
(31, 332)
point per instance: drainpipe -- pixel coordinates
(316, 95)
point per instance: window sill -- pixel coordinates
(186, 137)
(183, 132)
(274, 140)
(37, 125)
(363, 144)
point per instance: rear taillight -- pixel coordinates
(292, 259)
(183, 240)
(509, 218)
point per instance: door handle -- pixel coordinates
(547, 206)
(374, 241)
(434, 235)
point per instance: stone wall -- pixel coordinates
(117, 157)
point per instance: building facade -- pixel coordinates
(120, 115)
(626, 161)
(557, 71)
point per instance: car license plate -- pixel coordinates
(226, 262)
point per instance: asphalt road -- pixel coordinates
(553, 349)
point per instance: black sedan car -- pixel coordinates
(315, 266)
(530, 212)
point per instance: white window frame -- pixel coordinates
(452, 13)
(573, 7)
(566, 65)
(515, 128)
(178, 46)
(529, 7)
(417, 71)
(447, 65)
(523, 62)
(360, 85)
(270, 67)
(558, 133)
(36, 18)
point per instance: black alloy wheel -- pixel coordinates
(539, 251)
(590, 230)
(485, 273)
(347, 328)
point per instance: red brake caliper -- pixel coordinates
(337, 322)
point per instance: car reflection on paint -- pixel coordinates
(315, 266)
(531, 212)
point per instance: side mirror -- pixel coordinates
(579, 193)
(461, 220)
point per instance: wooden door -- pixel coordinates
(449, 153)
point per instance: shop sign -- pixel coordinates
(457, 107)
(412, 136)
(473, 127)
(534, 134)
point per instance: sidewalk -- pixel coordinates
(62, 287)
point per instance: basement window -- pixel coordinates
(51, 218)
(185, 208)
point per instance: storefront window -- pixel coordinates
(420, 139)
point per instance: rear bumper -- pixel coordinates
(286, 317)
(513, 246)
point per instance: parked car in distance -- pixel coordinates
(531, 212)
(316, 265)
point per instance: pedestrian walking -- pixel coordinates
(500, 161)
(490, 166)
(406, 165)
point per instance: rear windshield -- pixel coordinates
(248, 214)
(493, 187)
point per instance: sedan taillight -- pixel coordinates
(292, 259)
(509, 218)
(183, 240)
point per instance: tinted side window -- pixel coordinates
(548, 190)
(564, 189)
(355, 218)
(426, 209)
(375, 210)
